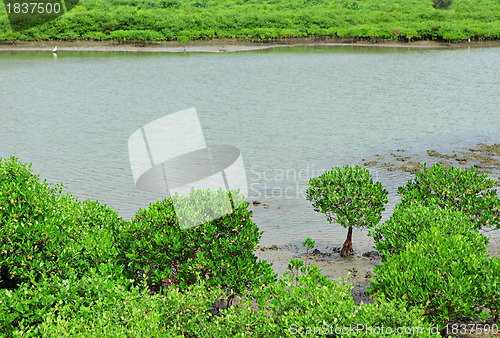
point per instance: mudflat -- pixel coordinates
(222, 45)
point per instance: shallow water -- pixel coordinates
(293, 113)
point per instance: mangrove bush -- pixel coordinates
(219, 251)
(348, 196)
(468, 191)
(410, 220)
(447, 276)
(45, 232)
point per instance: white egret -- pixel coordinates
(54, 50)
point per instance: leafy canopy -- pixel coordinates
(468, 191)
(407, 222)
(348, 195)
(447, 276)
(219, 251)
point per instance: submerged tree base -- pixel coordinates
(347, 247)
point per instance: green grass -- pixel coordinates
(260, 20)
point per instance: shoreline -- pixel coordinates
(224, 45)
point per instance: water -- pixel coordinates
(293, 113)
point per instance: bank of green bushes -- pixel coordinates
(98, 305)
(409, 221)
(71, 268)
(263, 20)
(75, 268)
(434, 256)
(45, 232)
(437, 260)
(448, 276)
(468, 191)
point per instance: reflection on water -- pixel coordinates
(293, 113)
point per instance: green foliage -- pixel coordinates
(445, 275)
(410, 220)
(268, 19)
(348, 195)
(466, 190)
(434, 256)
(309, 302)
(200, 4)
(97, 305)
(441, 4)
(169, 3)
(183, 39)
(309, 243)
(352, 5)
(44, 232)
(219, 251)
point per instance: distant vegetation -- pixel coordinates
(265, 20)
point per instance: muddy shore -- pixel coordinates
(221, 45)
(356, 269)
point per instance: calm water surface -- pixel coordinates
(293, 113)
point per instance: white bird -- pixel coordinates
(469, 39)
(54, 50)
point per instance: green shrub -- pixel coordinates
(441, 4)
(44, 232)
(466, 190)
(245, 19)
(169, 3)
(95, 305)
(310, 304)
(97, 36)
(183, 39)
(98, 305)
(349, 196)
(352, 5)
(410, 220)
(447, 276)
(219, 251)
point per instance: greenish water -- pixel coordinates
(293, 112)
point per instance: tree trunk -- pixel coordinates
(347, 248)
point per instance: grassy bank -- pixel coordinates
(261, 20)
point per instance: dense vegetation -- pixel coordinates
(434, 256)
(75, 268)
(264, 20)
(220, 251)
(469, 191)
